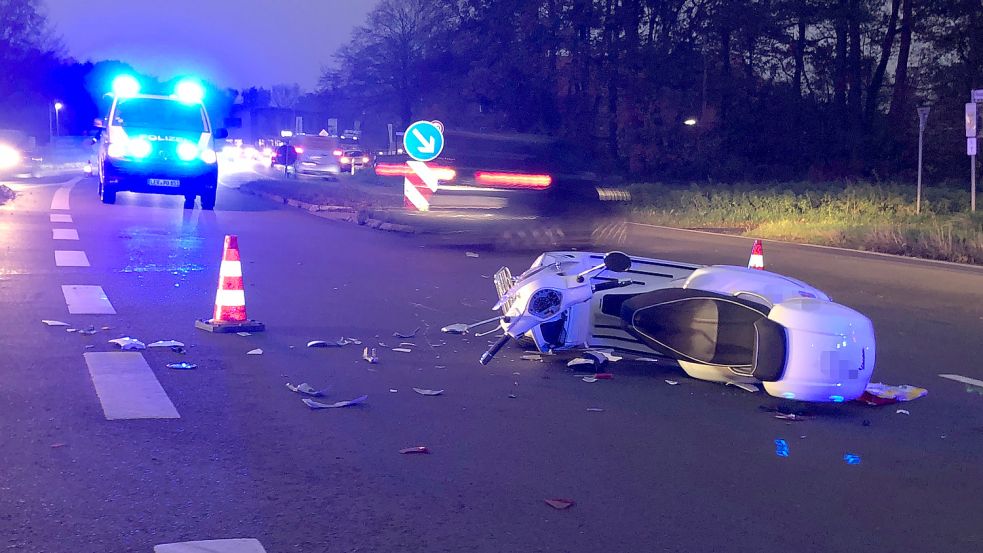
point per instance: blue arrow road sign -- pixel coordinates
(423, 141)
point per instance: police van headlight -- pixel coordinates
(139, 148)
(208, 156)
(9, 157)
(187, 151)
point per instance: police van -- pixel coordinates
(159, 144)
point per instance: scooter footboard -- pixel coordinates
(829, 353)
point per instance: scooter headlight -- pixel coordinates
(545, 303)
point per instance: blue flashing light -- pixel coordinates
(189, 92)
(187, 151)
(139, 148)
(836, 399)
(125, 86)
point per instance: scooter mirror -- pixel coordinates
(617, 262)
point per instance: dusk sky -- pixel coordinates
(234, 43)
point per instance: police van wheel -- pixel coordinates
(107, 194)
(208, 200)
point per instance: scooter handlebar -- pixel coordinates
(488, 355)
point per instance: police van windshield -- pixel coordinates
(159, 114)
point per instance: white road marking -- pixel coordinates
(71, 258)
(64, 234)
(60, 199)
(127, 387)
(60, 218)
(237, 545)
(87, 300)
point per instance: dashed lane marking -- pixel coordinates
(237, 545)
(60, 218)
(87, 300)
(60, 200)
(128, 389)
(64, 234)
(71, 258)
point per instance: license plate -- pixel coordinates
(173, 183)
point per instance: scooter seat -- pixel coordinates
(708, 328)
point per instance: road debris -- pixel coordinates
(470, 254)
(305, 388)
(595, 410)
(579, 361)
(532, 357)
(244, 334)
(791, 417)
(58, 445)
(53, 323)
(604, 376)
(322, 344)
(513, 396)
(393, 390)
(403, 350)
(256, 351)
(781, 448)
(370, 356)
(972, 385)
(405, 335)
(672, 382)
(318, 405)
(426, 392)
(407, 345)
(559, 504)
(71, 330)
(89, 331)
(851, 459)
(902, 412)
(608, 355)
(456, 328)
(127, 343)
(877, 393)
(182, 366)
(165, 344)
(590, 379)
(417, 449)
(744, 386)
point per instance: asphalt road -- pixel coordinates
(663, 468)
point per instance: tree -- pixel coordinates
(253, 98)
(285, 96)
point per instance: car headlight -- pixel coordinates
(139, 148)
(9, 157)
(545, 303)
(187, 151)
(208, 156)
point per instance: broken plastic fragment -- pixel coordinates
(128, 344)
(426, 392)
(903, 412)
(470, 254)
(790, 417)
(71, 330)
(53, 323)
(589, 379)
(183, 365)
(244, 334)
(877, 393)
(403, 350)
(744, 386)
(607, 355)
(604, 376)
(672, 382)
(781, 448)
(405, 335)
(393, 390)
(417, 449)
(559, 504)
(595, 410)
(580, 361)
(88, 332)
(851, 459)
(256, 351)
(532, 357)
(318, 405)
(305, 388)
(370, 356)
(322, 344)
(456, 328)
(165, 344)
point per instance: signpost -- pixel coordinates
(922, 119)
(971, 117)
(423, 141)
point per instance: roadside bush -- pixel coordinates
(6, 194)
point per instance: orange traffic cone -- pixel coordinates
(757, 259)
(230, 300)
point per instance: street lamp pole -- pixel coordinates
(922, 119)
(58, 106)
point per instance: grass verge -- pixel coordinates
(349, 191)
(877, 218)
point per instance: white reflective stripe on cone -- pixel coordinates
(230, 298)
(231, 269)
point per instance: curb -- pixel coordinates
(341, 213)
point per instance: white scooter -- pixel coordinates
(719, 323)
